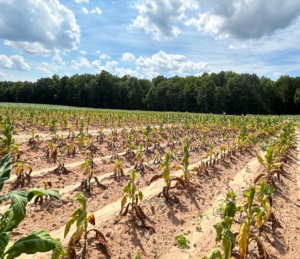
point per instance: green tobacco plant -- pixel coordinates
(82, 218)
(185, 164)
(147, 134)
(39, 240)
(271, 166)
(243, 139)
(7, 141)
(131, 199)
(165, 165)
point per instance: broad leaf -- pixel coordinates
(59, 250)
(5, 168)
(38, 241)
(81, 199)
(42, 192)
(4, 239)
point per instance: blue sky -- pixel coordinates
(146, 38)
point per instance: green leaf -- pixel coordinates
(59, 250)
(17, 210)
(4, 239)
(141, 196)
(38, 241)
(81, 199)
(214, 254)
(5, 168)
(42, 192)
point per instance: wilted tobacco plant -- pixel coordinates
(118, 170)
(201, 168)
(71, 132)
(166, 176)
(42, 199)
(157, 159)
(100, 136)
(71, 149)
(130, 146)
(270, 166)
(34, 139)
(246, 236)
(91, 145)
(140, 158)
(132, 198)
(51, 151)
(53, 128)
(21, 173)
(211, 155)
(61, 169)
(82, 218)
(88, 172)
(62, 140)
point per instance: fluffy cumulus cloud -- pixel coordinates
(244, 19)
(83, 52)
(15, 62)
(54, 26)
(80, 63)
(158, 17)
(112, 67)
(42, 69)
(173, 64)
(128, 57)
(96, 10)
(104, 56)
(58, 60)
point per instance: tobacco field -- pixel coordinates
(92, 183)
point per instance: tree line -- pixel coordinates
(227, 92)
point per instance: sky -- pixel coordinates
(147, 38)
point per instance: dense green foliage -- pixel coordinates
(215, 93)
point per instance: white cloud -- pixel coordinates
(81, 62)
(104, 56)
(231, 46)
(83, 52)
(244, 46)
(58, 60)
(128, 57)
(173, 64)
(45, 63)
(42, 69)
(112, 67)
(84, 10)
(38, 27)
(80, 1)
(15, 62)
(96, 10)
(157, 17)
(244, 19)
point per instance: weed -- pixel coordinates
(182, 241)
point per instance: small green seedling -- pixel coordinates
(138, 256)
(198, 221)
(182, 241)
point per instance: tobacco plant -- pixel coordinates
(37, 241)
(165, 165)
(131, 199)
(271, 167)
(21, 173)
(246, 236)
(82, 218)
